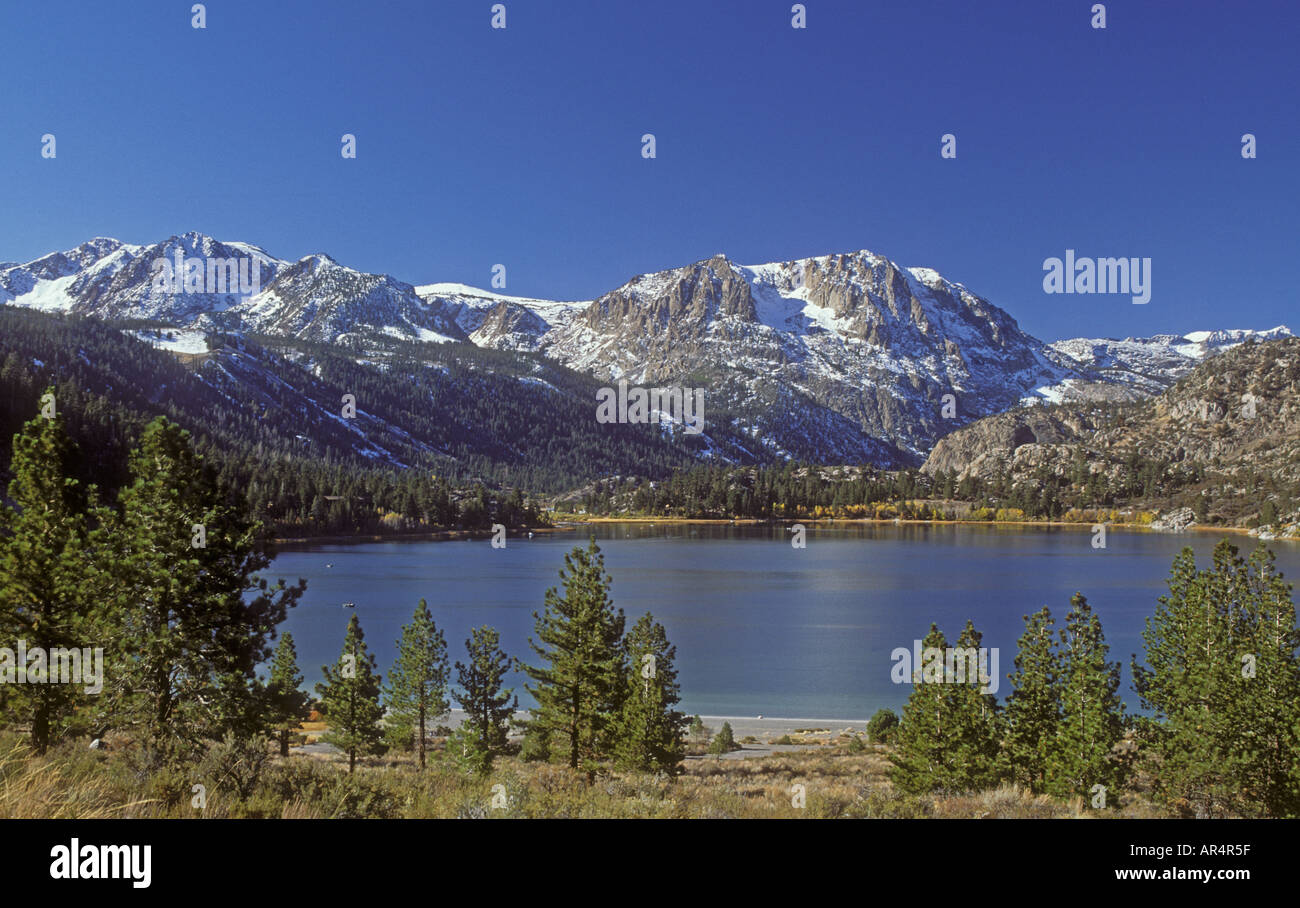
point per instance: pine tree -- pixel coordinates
(920, 752)
(288, 703)
(580, 636)
(883, 726)
(1177, 685)
(488, 707)
(1091, 711)
(648, 734)
(350, 697)
(1033, 712)
(50, 583)
(724, 741)
(948, 737)
(417, 684)
(974, 728)
(196, 618)
(1263, 692)
(1222, 678)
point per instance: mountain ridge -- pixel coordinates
(845, 357)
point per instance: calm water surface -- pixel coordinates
(760, 628)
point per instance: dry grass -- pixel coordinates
(33, 787)
(826, 782)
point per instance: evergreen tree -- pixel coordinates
(287, 701)
(648, 735)
(948, 737)
(974, 729)
(920, 758)
(488, 707)
(724, 741)
(350, 697)
(1091, 711)
(417, 685)
(51, 585)
(1222, 678)
(883, 726)
(1033, 713)
(196, 618)
(580, 634)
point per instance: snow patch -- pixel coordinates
(173, 340)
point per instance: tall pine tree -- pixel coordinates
(974, 727)
(288, 702)
(948, 737)
(417, 685)
(52, 594)
(1091, 711)
(196, 618)
(1222, 679)
(488, 706)
(1033, 713)
(579, 690)
(919, 757)
(350, 697)
(648, 734)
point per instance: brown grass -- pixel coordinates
(34, 787)
(825, 782)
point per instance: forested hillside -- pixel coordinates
(440, 434)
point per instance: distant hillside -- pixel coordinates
(1224, 440)
(432, 421)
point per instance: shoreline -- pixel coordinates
(570, 525)
(428, 536)
(806, 734)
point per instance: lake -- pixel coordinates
(761, 628)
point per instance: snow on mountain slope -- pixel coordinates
(1151, 364)
(314, 298)
(835, 358)
(495, 320)
(872, 345)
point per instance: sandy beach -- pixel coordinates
(803, 733)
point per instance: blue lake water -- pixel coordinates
(761, 628)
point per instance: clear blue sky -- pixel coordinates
(522, 146)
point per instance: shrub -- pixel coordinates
(882, 726)
(235, 764)
(725, 741)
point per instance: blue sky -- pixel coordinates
(477, 146)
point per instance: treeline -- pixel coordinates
(1220, 678)
(792, 491)
(606, 696)
(109, 386)
(784, 490)
(469, 414)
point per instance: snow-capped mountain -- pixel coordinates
(838, 358)
(314, 298)
(1152, 364)
(499, 321)
(845, 356)
(874, 346)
